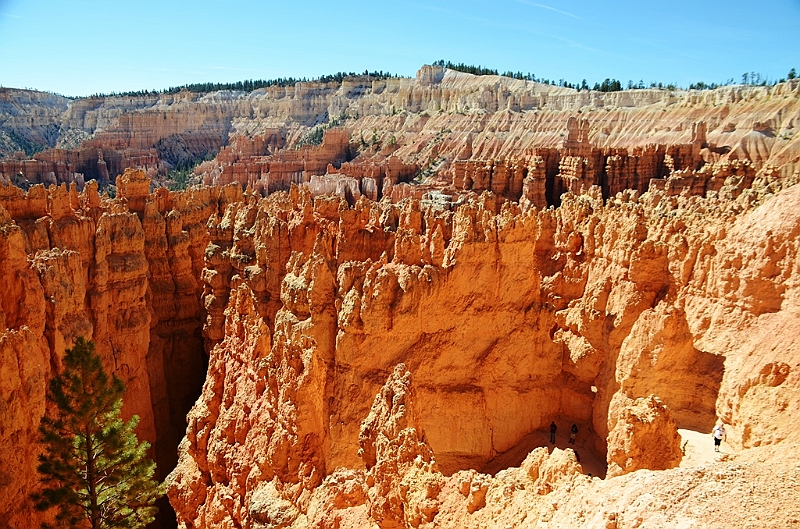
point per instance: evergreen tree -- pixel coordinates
(93, 469)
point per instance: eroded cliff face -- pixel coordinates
(384, 329)
(430, 123)
(452, 133)
(630, 318)
(123, 273)
(617, 316)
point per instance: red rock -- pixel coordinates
(668, 272)
(86, 267)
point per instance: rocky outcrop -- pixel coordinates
(60, 166)
(577, 166)
(29, 120)
(397, 363)
(579, 312)
(322, 168)
(505, 319)
(643, 435)
(122, 273)
(270, 173)
(615, 140)
(392, 447)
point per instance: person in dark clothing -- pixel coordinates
(573, 432)
(553, 429)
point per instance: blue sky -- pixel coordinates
(81, 47)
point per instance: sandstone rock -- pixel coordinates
(268, 509)
(668, 348)
(643, 435)
(373, 297)
(422, 122)
(81, 267)
(668, 269)
(391, 444)
(340, 500)
(134, 187)
(347, 277)
(547, 470)
(428, 75)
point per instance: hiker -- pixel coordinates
(573, 432)
(719, 435)
(553, 429)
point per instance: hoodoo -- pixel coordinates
(381, 292)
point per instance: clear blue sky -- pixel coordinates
(80, 47)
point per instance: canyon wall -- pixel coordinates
(122, 273)
(377, 331)
(440, 117)
(656, 310)
(606, 315)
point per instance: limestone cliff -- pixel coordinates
(630, 318)
(505, 321)
(377, 331)
(615, 140)
(123, 273)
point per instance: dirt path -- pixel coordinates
(698, 449)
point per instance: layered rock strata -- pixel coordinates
(325, 169)
(122, 273)
(397, 363)
(615, 140)
(504, 319)
(619, 317)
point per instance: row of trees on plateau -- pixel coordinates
(608, 85)
(253, 84)
(613, 85)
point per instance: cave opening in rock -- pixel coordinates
(490, 429)
(588, 446)
(585, 448)
(688, 383)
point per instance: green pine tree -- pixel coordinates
(93, 469)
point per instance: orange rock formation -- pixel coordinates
(579, 315)
(617, 140)
(125, 276)
(396, 363)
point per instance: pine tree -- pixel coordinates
(93, 469)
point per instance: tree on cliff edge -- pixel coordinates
(93, 469)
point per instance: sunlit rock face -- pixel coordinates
(618, 316)
(445, 128)
(378, 330)
(123, 273)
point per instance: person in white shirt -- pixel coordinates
(719, 435)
